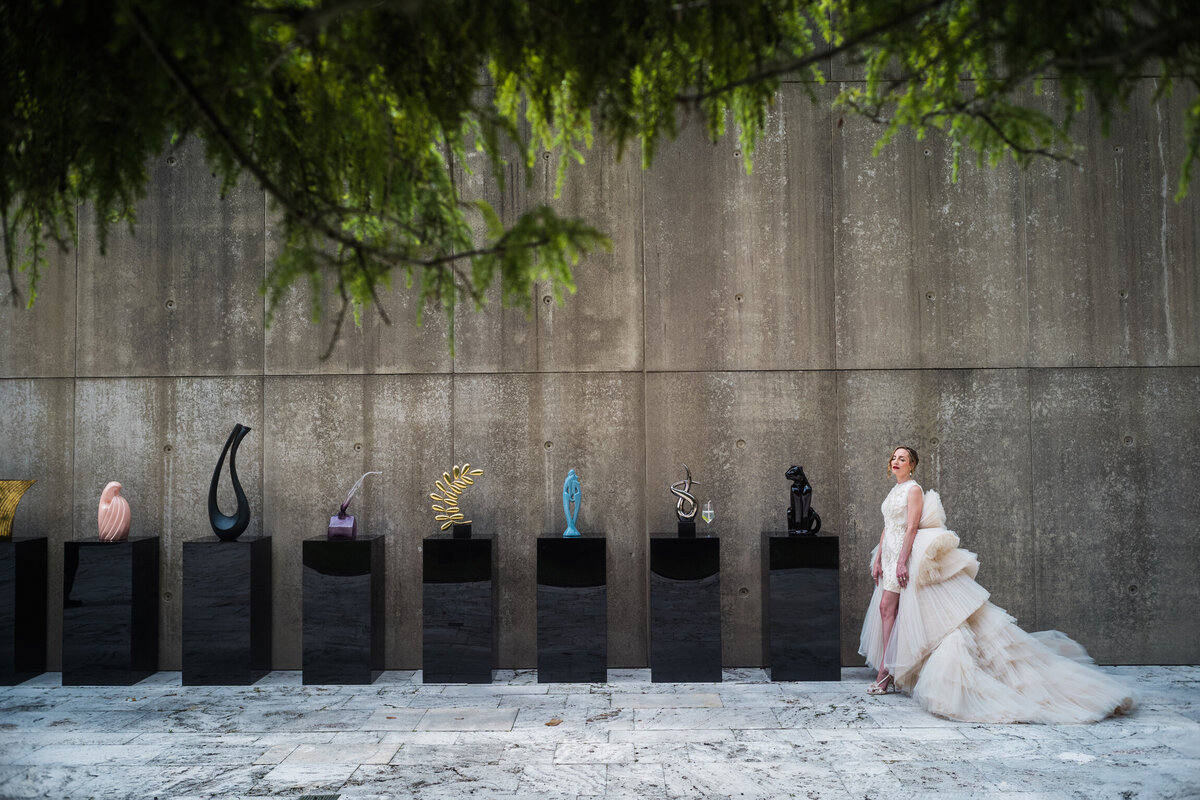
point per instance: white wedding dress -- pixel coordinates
(964, 658)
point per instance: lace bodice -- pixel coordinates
(895, 507)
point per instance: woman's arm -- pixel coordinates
(916, 504)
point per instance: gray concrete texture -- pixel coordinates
(1035, 335)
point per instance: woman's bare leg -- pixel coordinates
(888, 607)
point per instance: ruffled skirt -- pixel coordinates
(964, 658)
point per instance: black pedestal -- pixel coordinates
(344, 613)
(802, 638)
(459, 609)
(110, 612)
(226, 612)
(22, 609)
(572, 610)
(685, 609)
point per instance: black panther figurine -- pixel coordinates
(801, 517)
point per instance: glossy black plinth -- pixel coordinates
(802, 633)
(685, 609)
(110, 612)
(459, 596)
(344, 614)
(572, 610)
(226, 612)
(22, 609)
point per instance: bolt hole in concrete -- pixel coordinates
(929, 295)
(1132, 589)
(547, 299)
(357, 447)
(546, 155)
(738, 298)
(1122, 294)
(167, 448)
(1118, 149)
(172, 161)
(933, 442)
(1128, 440)
(928, 152)
(743, 590)
(549, 445)
(166, 595)
(737, 153)
(170, 305)
(741, 442)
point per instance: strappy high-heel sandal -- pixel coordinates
(885, 685)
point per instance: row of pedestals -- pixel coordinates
(110, 610)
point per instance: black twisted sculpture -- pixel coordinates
(229, 528)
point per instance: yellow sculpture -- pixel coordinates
(450, 487)
(10, 495)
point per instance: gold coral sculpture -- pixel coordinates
(445, 500)
(10, 495)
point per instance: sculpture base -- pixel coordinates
(23, 564)
(572, 610)
(226, 612)
(459, 595)
(685, 609)
(110, 612)
(344, 614)
(462, 531)
(687, 530)
(801, 607)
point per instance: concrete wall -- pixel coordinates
(1035, 335)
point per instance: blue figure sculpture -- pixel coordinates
(572, 496)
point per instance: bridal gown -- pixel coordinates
(964, 658)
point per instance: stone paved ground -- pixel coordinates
(743, 738)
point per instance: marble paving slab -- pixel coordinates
(744, 738)
(468, 719)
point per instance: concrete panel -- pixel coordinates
(599, 328)
(739, 433)
(739, 267)
(36, 442)
(1114, 271)
(39, 342)
(161, 438)
(181, 296)
(323, 433)
(294, 344)
(929, 273)
(1116, 462)
(971, 431)
(495, 338)
(526, 432)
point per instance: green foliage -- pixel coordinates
(359, 117)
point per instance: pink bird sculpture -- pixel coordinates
(114, 516)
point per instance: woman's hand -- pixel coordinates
(876, 570)
(902, 572)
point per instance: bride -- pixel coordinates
(931, 632)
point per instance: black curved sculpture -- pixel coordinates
(229, 528)
(801, 517)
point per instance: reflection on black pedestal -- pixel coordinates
(685, 609)
(459, 609)
(802, 638)
(226, 611)
(110, 612)
(344, 616)
(572, 610)
(22, 609)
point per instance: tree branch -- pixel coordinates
(813, 58)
